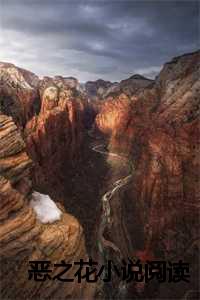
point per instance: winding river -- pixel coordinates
(104, 244)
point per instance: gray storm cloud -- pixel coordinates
(93, 39)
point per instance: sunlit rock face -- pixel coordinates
(113, 114)
(19, 96)
(23, 237)
(159, 131)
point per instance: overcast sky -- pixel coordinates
(96, 39)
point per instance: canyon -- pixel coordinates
(121, 162)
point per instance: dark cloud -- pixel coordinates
(91, 39)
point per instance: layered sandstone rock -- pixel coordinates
(23, 237)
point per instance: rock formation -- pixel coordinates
(24, 238)
(56, 134)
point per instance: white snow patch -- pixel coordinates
(45, 208)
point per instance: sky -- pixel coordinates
(95, 39)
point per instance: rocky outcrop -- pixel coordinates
(23, 237)
(54, 137)
(19, 96)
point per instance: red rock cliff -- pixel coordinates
(159, 130)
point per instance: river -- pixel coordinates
(104, 244)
